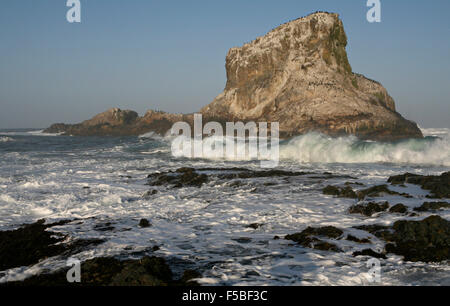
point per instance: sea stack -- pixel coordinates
(298, 75)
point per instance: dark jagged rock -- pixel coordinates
(243, 240)
(378, 191)
(326, 231)
(190, 177)
(439, 186)
(108, 271)
(105, 227)
(32, 242)
(369, 209)
(27, 245)
(346, 192)
(325, 246)
(183, 177)
(354, 183)
(189, 276)
(398, 209)
(432, 206)
(144, 223)
(379, 231)
(427, 240)
(246, 174)
(149, 194)
(255, 225)
(148, 271)
(332, 190)
(308, 238)
(369, 252)
(357, 240)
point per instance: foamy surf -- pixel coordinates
(41, 133)
(433, 150)
(6, 139)
(319, 148)
(28, 133)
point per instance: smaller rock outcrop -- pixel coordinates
(310, 238)
(117, 122)
(427, 240)
(109, 271)
(345, 192)
(432, 206)
(438, 185)
(31, 243)
(369, 209)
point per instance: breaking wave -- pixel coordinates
(5, 139)
(319, 148)
(433, 150)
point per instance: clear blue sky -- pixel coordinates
(170, 55)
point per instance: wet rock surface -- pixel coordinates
(345, 192)
(371, 192)
(255, 225)
(32, 243)
(358, 240)
(190, 177)
(183, 177)
(398, 209)
(309, 238)
(104, 227)
(149, 194)
(438, 185)
(432, 206)
(108, 271)
(427, 240)
(378, 191)
(379, 231)
(369, 252)
(369, 209)
(144, 223)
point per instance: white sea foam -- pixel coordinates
(436, 132)
(148, 135)
(28, 133)
(319, 148)
(6, 139)
(41, 133)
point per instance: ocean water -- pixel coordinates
(45, 176)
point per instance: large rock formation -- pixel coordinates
(298, 75)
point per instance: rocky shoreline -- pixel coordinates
(32, 243)
(418, 236)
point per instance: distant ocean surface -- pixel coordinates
(44, 176)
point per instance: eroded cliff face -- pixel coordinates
(299, 75)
